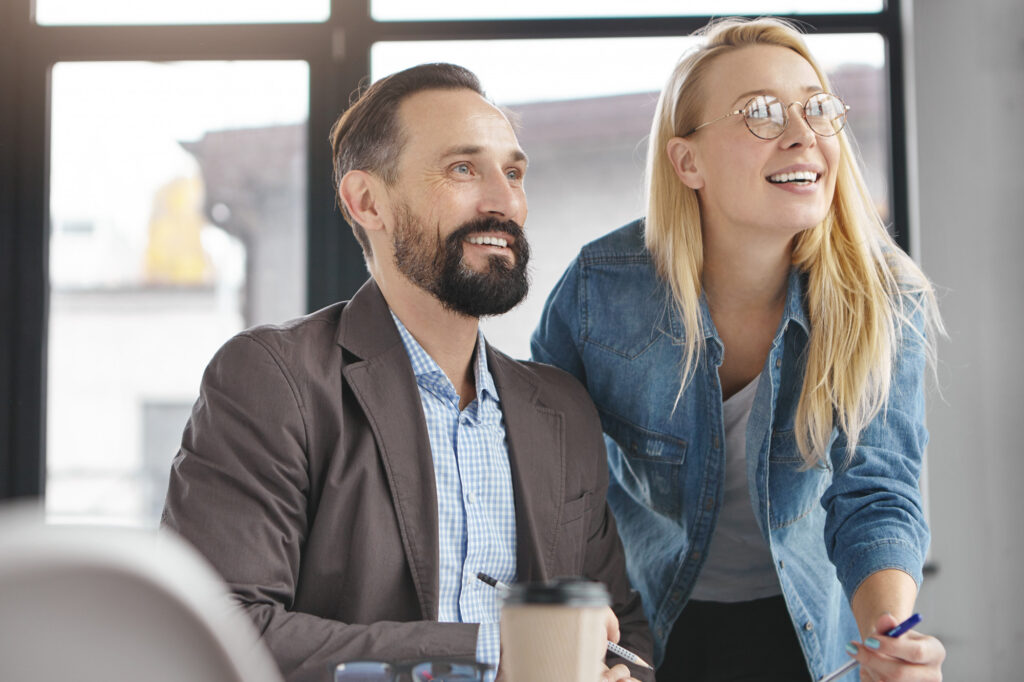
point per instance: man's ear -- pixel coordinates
(682, 154)
(360, 192)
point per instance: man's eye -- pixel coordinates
(461, 168)
(514, 174)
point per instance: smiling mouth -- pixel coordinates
(796, 178)
(488, 241)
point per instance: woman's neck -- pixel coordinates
(743, 275)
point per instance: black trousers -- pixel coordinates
(749, 641)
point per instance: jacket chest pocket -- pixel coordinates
(794, 491)
(572, 537)
(648, 465)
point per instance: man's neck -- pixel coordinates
(447, 337)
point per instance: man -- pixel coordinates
(350, 472)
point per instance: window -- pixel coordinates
(192, 176)
(107, 12)
(390, 10)
(165, 185)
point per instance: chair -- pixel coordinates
(88, 604)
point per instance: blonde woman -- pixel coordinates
(756, 347)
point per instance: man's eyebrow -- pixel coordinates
(465, 150)
(473, 150)
(807, 89)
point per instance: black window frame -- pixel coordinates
(338, 54)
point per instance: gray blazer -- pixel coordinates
(305, 476)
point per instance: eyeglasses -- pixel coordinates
(767, 117)
(416, 671)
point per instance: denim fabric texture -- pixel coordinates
(611, 322)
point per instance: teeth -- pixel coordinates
(493, 241)
(798, 176)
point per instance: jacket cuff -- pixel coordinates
(870, 557)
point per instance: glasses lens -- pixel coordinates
(363, 671)
(825, 114)
(439, 671)
(765, 116)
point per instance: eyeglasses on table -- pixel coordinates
(438, 670)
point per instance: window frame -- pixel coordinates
(338, 53)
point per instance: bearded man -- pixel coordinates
(349, 473)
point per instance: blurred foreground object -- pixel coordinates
(99, 604)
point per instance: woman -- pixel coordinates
(756, 348)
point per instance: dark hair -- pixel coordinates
(368, 137)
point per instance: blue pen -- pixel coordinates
(852, 663)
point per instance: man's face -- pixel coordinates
(458, 204)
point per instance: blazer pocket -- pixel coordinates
(572, 537)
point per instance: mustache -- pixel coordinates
(488, 224)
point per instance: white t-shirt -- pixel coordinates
(739, 566)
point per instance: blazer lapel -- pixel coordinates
(536, 450)
(384, 384)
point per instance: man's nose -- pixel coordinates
(502, 197)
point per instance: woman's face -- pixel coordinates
(745, 183)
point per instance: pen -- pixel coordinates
(612, 646)
(852, 663)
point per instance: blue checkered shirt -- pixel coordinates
(475, 505)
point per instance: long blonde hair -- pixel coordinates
(864, 293)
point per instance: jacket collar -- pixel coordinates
(536, 436)
(382, 380)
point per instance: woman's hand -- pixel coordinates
(912, 657)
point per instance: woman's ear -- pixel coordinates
(359, 192)
(683, 156)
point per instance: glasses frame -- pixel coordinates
(785, 115)
(397, 669)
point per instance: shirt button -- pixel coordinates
(782, 564)
(808, 626)
(471, 497)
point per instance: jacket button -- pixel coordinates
(808, 626)
(709, 504)
(695, 555)
(716, 442)
(778, 362)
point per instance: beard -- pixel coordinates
(438, 267)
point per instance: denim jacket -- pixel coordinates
(611, 322)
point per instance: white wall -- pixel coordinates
(969, 62)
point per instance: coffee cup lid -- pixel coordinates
(563, 592)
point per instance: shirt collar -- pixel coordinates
(423, 365)
(794, 310)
